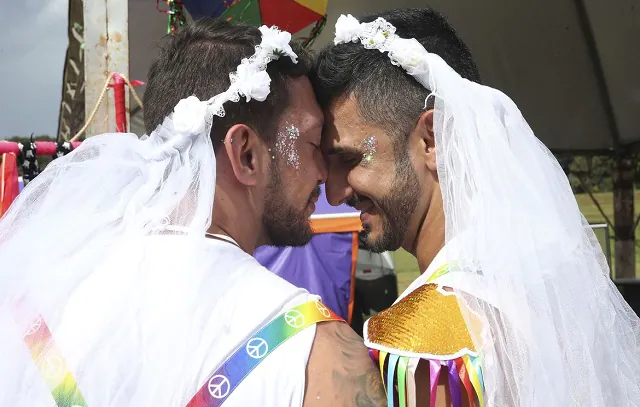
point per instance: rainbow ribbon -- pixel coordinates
(464, 373)
(52, 366)
(220, 384)
(224, 380)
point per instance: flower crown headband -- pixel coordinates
(406, 53)
(251, 80)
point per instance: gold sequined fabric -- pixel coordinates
(425, 321)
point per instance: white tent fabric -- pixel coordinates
(570, 65)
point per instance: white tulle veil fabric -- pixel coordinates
(556, 331)
(92, 205)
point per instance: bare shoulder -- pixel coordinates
(340, 371)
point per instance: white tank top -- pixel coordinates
(152, 335)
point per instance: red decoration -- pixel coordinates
(287, 15)
(8, 181)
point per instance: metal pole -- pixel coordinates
(106, 36)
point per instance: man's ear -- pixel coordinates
(245, 151)
(424, 130)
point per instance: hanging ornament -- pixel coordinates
(62, 149)
(175, 10)
(28, 161)
(315, 32)
(289, 15)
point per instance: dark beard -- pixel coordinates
(283, 224)
(396, 208)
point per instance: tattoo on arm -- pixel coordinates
(357, 375)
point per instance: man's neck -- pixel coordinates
(228, 220)
(431, 234)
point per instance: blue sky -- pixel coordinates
(32, 50)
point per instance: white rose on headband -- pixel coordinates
(276, 40)
(347, 29)
(189, 116)
(251, 83)
(409, 54)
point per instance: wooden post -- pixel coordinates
(72, 115)
(623, 216)
(106, 36)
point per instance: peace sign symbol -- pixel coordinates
(323, 310)
(219, 386)
(52, 366)
(34, 327)
(294, 318)
(257, 348)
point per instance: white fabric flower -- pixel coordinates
(347, 29)
(252, 83)
(276, 40)
(410, 55)
(189, 116)
(378, 40)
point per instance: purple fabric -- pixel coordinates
(454, 384)
(435, 366)
(324, 208)
(323, 267)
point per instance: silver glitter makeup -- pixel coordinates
(286, 145)
(369, 146)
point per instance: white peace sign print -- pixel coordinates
(219, 386)
(34, 327)
(52, 366)
(257, 348)
(294, 318)
(323, 310)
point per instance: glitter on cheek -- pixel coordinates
(286, 145)
(369, 147)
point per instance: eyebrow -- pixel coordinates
(343, 150)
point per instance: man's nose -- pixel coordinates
(337, 187)
(323, 171)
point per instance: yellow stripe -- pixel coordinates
(319, 6)
(381, 359)
(473, 377)
(444, 269)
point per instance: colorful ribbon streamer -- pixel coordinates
(464, 378)
(403, 363)
(475, 380)
(454, 384)
(391, 370)
(435, 367)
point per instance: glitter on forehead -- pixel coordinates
(369, 146)
(286, 145)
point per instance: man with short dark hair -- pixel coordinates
(153, 297)
(514, 306)
(269, 167)
(193, 63)
(353, 82)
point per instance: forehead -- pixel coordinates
(303, 110)
(344, 126)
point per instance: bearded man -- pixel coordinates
(143, 290)
(514, 306)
